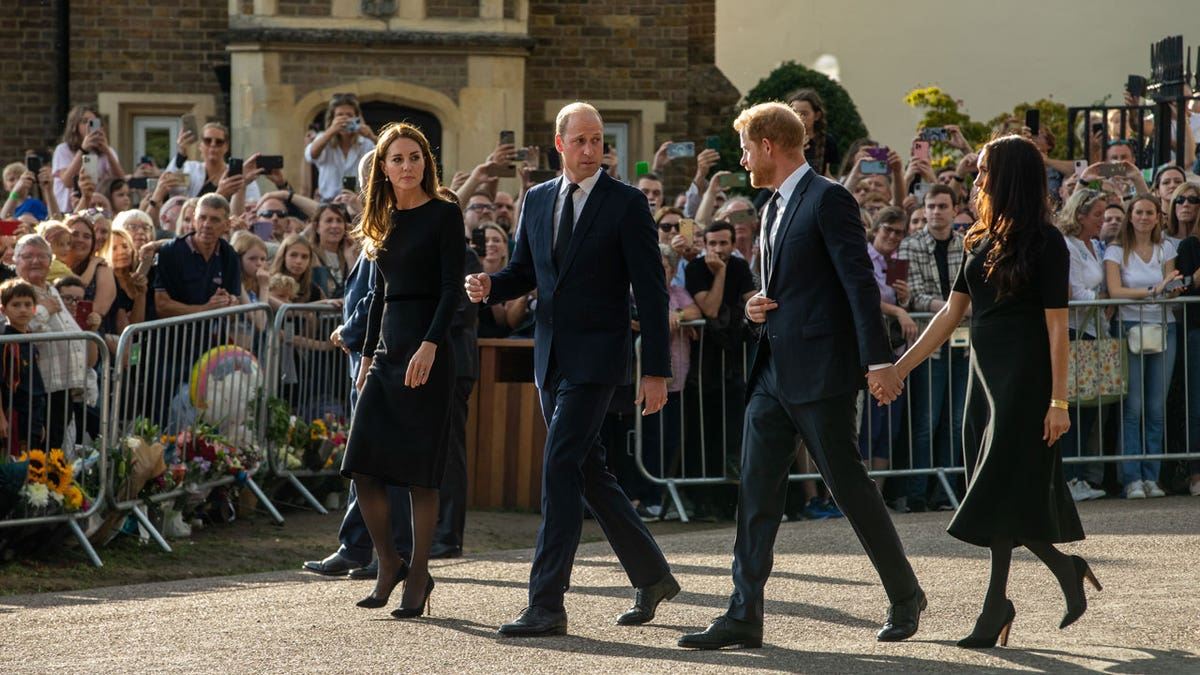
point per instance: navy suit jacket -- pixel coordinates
(583, 312)
(828, 327)
(356, 307)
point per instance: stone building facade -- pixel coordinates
(268, 68)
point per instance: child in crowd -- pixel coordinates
(59, 237)
(283, 287)
(23, 418)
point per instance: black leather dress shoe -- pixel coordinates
(368, 571)
(535, 622)
(647, 601)
(725, 631)
(333, 566)
(903, 619)
(445, 552)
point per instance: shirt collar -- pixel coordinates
(585, 186)
(788, 186)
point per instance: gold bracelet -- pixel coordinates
(1060, 404)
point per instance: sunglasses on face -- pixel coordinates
(272, 213)
(668, 227)
(209, 140)
(1190, 199)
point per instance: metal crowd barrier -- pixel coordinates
(312, 376)
(173, 375)
(53, 423)
(692, 464)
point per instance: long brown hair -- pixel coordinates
(817, 133)
(1126, 237)
(279, 265)
(379, 198)
(71, 133)
(1013, 207)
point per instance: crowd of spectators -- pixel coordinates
(99, 248)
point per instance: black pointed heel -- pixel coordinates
(1083, 572)
(373, 601)
(976, 641)
(419, 610)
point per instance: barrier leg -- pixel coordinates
(83, 541)
(683, 516)
(154, 534)
(308, 496)
(941, 474)
(262, 500)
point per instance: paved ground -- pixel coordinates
(824, 604)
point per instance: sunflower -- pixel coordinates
(37, 465)
(73, 498)
(317, 430)
(58, 479)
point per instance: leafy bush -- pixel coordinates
(840, 112)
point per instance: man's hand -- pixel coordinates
(652, 393)
(885, 384)
(715, 264)
(660, 157)
(705, 161)
(758, 306)
(478, 286)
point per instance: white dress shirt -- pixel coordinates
(579, 199)
(333, 164)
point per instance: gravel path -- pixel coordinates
(824, 605)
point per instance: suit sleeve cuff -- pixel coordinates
(879, 366)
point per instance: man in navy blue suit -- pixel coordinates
(583, 240)
(822, 341)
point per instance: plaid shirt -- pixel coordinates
(924, 285)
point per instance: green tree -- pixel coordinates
(942, 109)
(1052, 117)
(841, 114)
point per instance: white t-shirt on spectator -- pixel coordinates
(63, 156)
(333, 164)
(1137, 273)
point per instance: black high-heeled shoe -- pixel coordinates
(977, 641)
(373, 601)
(1079, 606)
(412, 612)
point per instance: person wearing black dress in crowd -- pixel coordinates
(1014, 276)
(399, 432)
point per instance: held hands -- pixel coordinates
(758, 306)
(885, 384)
(419, 365)
(1057, 422)
(652, 394)
(478, 287)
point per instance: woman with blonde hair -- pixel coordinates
(129, 306)
(296, 258)
(400, 430)
(1080, 221)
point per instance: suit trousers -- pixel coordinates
(452, 510)
(827, 427)
(574, 473)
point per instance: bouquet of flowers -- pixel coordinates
(315, 445)
(50, 486)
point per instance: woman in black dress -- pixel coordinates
(1015, 277)
(400, 428)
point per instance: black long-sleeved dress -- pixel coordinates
(399, 434)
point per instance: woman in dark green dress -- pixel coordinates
(1015, 279)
